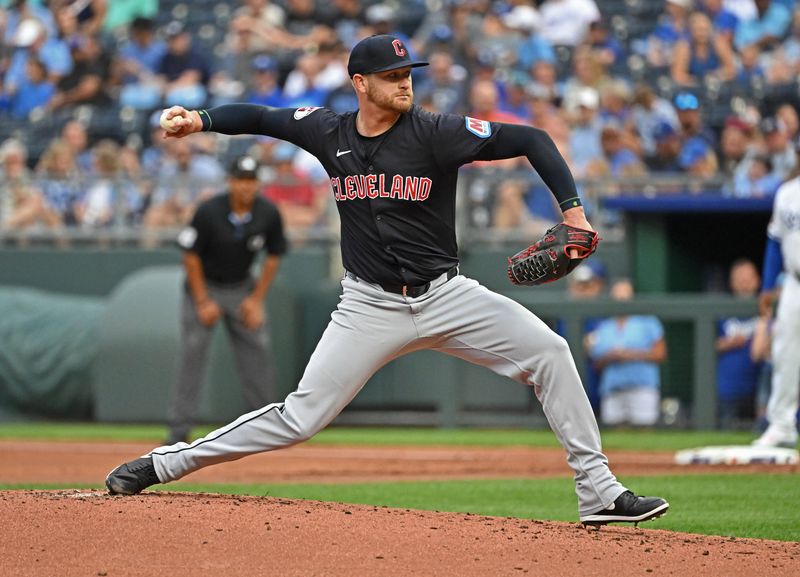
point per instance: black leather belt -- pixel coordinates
(412, 291)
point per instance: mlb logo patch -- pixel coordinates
(480, 128)
(305, 111)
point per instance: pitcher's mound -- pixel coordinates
(80, 533)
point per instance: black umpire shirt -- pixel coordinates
(396, 192)
(226, 244)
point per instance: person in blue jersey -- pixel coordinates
(737, 373)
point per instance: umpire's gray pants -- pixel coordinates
(252, 353)
(371, 327)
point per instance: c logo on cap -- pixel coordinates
(399, 49)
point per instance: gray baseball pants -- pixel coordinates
(252, 354)
(371, 327)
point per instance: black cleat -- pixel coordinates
(628, 508)
(132, 477)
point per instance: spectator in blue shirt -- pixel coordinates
(444, 84)
(650, 113)
(586, 128)
(531, 47)
(516, 100)
(767, 29)
(667, 150)
(76, 135)
(690, 118)
(702, 55)
(33, 41)
(737, 373)
(723, 20)
(61, 180)
(757, 181)
(628, 350)
(778, 146)
(34, 92)
(183, 70)
(673, 25)
(607, 48)
(785, 61)
(698, 158)
(21, 10)
(138, 61)
(621, 161)
(265, 89)
(750, 69)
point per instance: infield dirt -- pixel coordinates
(82, 532)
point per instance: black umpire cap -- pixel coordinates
(380, 53)
(244, 167)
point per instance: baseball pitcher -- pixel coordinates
(393, 169)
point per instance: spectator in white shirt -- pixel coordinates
(566, 22)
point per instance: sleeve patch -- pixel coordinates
(187, 238)
(255, 243)
(305, 111)
(480, 128)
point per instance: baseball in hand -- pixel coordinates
(169, 124)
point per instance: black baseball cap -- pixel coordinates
(244, 167)
(380, 53)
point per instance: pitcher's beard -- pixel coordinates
(391, 103)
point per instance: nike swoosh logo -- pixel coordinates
(342, 152)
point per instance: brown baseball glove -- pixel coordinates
(555, 255)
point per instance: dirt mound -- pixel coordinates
(86, 533)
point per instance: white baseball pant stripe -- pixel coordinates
(371, 327)
(783, 399)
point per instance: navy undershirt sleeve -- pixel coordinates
(303, 129)
(517, 140)
(773, 264)
(247, 119)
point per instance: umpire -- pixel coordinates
(219, 246)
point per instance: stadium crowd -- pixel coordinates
(673, 92)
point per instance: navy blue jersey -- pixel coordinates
(395, 192)
(737, 373)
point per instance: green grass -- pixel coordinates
(734, 505)
(639, 440)
(740, 505)
(759, 506)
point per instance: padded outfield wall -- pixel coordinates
(137, 339)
